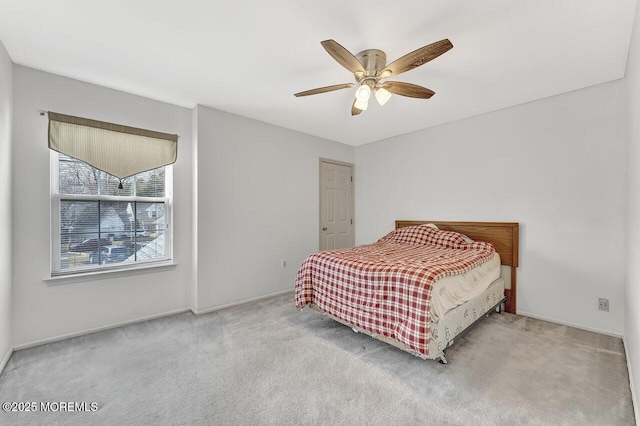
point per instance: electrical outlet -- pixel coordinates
(284, 263)
(603, 304)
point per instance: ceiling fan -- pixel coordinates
(369, 68)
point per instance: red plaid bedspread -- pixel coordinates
(385, 287)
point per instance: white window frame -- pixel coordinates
(57, 198)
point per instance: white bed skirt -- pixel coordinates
(458, 319)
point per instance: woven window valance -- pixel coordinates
(121, 151)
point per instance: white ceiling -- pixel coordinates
(249, 57)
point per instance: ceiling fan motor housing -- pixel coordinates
(373, 61)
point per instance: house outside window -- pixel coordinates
(100, 222)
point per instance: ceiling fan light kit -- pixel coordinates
(363, 92)
(382, 95)
(369, 68)
(361, 104)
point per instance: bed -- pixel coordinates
(386, 289)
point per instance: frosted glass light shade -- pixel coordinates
(363, 92)
(382, 96)
(361, 104)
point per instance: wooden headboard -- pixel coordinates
(502, 235)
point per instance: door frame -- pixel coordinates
(353, 196)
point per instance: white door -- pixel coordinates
(336, 205)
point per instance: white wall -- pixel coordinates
(257, 204)
(632, 288)
(555, 165)
(6, 79)
(42, 311)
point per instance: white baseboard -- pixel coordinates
(241, 302)
(633, 391)
(96, 329)
(5, 360)
(569, 324)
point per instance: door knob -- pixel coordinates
(324, 228)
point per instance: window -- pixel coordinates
(99, 224)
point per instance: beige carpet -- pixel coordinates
(264, 363)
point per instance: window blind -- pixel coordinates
(119, 150)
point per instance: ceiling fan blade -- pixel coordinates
(416, 58)
(354, 110)
(324, 89)
(343, 57)
(408, 89)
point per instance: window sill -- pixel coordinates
(109, 273)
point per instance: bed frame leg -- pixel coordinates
(441, 358)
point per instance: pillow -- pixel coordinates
(467, 239)
(427, 234)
